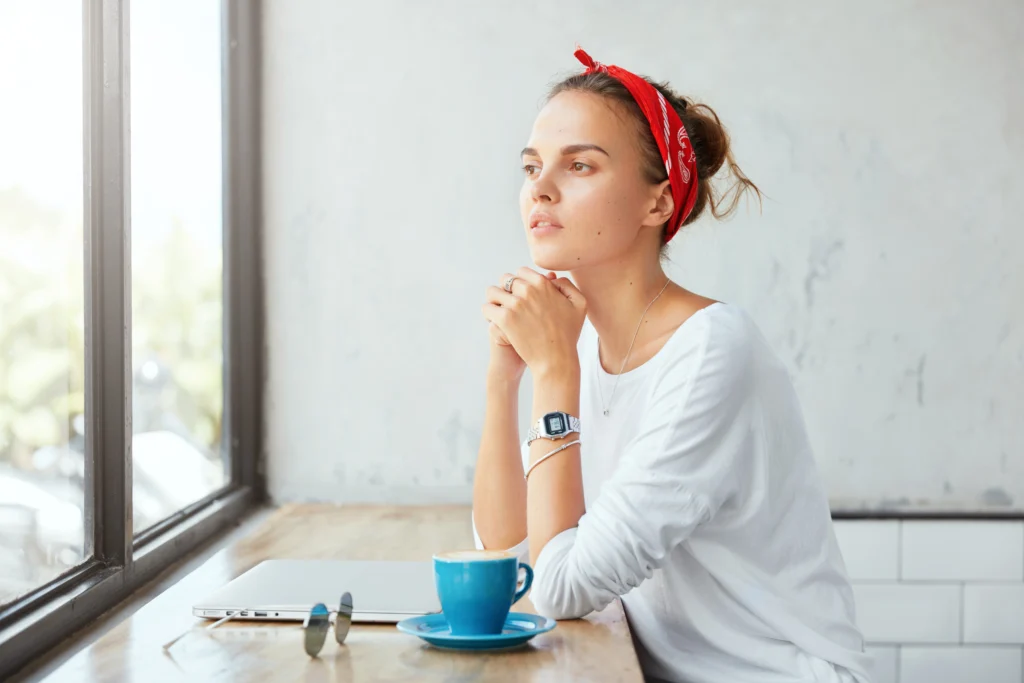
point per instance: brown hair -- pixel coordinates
(707, 134)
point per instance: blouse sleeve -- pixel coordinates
(684, 464)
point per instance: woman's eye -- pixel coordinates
(530, 169)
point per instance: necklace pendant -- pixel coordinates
(606, 413)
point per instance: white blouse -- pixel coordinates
(706, 514)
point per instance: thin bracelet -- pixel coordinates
(548, 455)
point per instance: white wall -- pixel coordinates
(886, 268)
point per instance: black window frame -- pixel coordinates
(118, 561)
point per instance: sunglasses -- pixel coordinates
(318, 623)
(315, 626)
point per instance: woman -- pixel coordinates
(685, 484)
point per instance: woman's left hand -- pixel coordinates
(542, 318)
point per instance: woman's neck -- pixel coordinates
(617, 294)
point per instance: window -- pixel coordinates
(177, 298)
(130, 299)
(42, 296)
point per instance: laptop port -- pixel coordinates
(260, 614)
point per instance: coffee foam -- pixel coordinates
(474, 555)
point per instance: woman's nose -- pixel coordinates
(543, 188)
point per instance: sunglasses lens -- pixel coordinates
(344, 618)
(315, 626)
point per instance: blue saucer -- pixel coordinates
(519, 628)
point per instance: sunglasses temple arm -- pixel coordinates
(212, 626)
(220, 621)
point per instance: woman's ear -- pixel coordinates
(663, 206)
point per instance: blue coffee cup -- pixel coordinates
(477, 588)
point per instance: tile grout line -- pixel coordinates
(899, 551)
(1022, 647)
(963, 608)
(935, 645)
(935, 582)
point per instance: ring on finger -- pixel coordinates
(508, 283)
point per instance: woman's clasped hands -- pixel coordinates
(535, 321)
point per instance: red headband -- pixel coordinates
(669, 134)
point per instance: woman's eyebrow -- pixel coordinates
(568, 149)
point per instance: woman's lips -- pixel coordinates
(544, 229)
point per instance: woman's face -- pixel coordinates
(582, 169)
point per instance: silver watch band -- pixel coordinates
(534, 433)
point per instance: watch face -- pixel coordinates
(555, 424)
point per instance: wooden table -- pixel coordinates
(597, 648)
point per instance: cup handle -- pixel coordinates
(527, 582)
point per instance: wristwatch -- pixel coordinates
(553, 426)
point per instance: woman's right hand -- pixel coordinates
(506, 364)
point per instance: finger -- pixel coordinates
(530, 275)
(551, 275)
(570, 291)
(494, 332)
(498, 336)
(494, 313)
(497, 295)
(518, 282)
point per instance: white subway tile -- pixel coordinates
(870, 549)
(994, 613)
(908, 613)
(978, 664)
(963, 551)
(886, 656)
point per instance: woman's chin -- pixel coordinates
(557, 265)
(546, 258)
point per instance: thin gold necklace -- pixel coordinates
(607, 408)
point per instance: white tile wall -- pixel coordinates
(960, 664)
(994, 613)
(937, 601)
(963, 551)
(908, 613)
(886, 662)
(870, 549)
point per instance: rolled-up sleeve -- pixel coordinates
(684, 463)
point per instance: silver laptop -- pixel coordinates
(285, 590)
